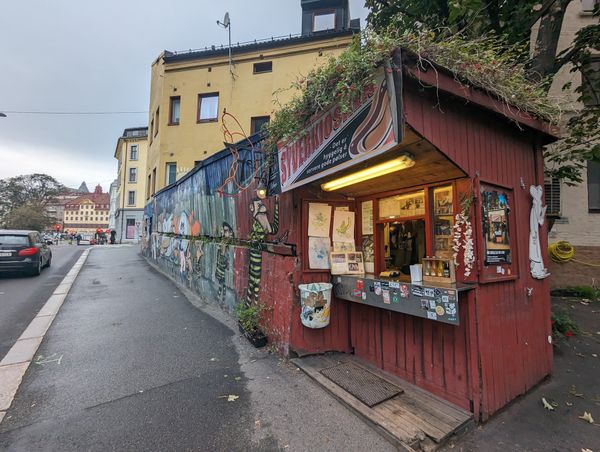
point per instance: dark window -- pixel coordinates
(154, 181)
(149, 187)
(132, 174)
(593, 183)
(174, 109)
(197, 162)
(257, 123)
(266, 66)
(133, 152)
(590, 81)
(552, 192)
(171, 173)
(131, 197)
(157, 121)
(324, 20)
(208, 107)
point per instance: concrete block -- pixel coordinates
(23, 350)
(10, 379)
(52, 305)
(37, 327)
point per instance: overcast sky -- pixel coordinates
(91, 56)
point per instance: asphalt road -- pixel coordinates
(22, 296)
(130, 364)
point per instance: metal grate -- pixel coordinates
(362, 384)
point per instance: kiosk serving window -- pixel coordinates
(404, 244)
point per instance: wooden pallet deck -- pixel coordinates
(413, 420)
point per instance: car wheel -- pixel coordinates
(49, 262)
(37, 269)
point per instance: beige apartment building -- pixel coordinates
(87, 213)
(191, 90)
(575, 210)
(131, 153)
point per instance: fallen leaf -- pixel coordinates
(547, 405)
(568, 403)
(574, 392)
(586, 450)
(237, 378)
(581, 355)
(587, 417)
(213, 359)
(232, 398)
(257, 423)
(594, 355)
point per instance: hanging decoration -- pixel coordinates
(536, 219)
(463, 236)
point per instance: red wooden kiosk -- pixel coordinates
(478, 341)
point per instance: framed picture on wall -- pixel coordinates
(495, 217)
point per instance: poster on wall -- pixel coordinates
(496, 234)
(343, 247)
(442, 201)
(318, 253)
(319, 219)
(343, 226)
(412, 205)
(347, 263)
(367, 217)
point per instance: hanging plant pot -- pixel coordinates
(256, 336)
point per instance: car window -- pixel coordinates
(14, 240)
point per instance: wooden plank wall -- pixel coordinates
(512, 328)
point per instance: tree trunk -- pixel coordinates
(546, 42)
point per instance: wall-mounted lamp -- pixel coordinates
(261, 189)
(391, 166)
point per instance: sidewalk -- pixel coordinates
(130, 364)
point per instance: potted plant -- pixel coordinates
(248, 317)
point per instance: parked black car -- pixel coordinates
(23, 251)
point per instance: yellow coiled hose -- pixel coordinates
(563, 252)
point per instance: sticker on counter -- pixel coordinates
(432, 304)
(395, 298)
(377, 288)
(425, 305)
(431, 315)
(386, 296)
(404, 291)
(357, 293)
(439, 310)
(359, 284)
(444, 298)
(394, 285)
(451, 309)
(428, 292)
(416, 291)
(364, 295)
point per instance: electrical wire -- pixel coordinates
(563, 252)
(72, 113)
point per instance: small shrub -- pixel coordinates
(248, 316)
(588, 292)
(563, 327)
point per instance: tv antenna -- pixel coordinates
(227, 24)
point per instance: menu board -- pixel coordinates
(367, 217)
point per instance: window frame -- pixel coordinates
(263, 63)
(593, 96)
(132, 148)
(202, 96)
(593, 209)
(256, 118)
(129, 193)
(167, 172)
(132, 170)
(171, 102)
(157, 121)
(324, 12)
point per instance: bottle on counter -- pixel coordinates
(446, 269)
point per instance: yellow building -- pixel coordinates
(87, 213)
(190, 90)
(131, 152)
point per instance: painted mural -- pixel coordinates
(209, 237)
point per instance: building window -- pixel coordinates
(265, 66)
(552, 192)
(149, 186)
(171, 173)
(151, 129)
(156, 121)
(132, 174)
(208, 107)
(593, 183)
(174, 108)
(324, 20)
(131, 198)
(133, 152)
(154, 181)
(257, 123)
(590, 81)
(588, 6)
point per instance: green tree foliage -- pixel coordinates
(27, 196)
(509, 22)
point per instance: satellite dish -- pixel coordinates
(226, 20)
